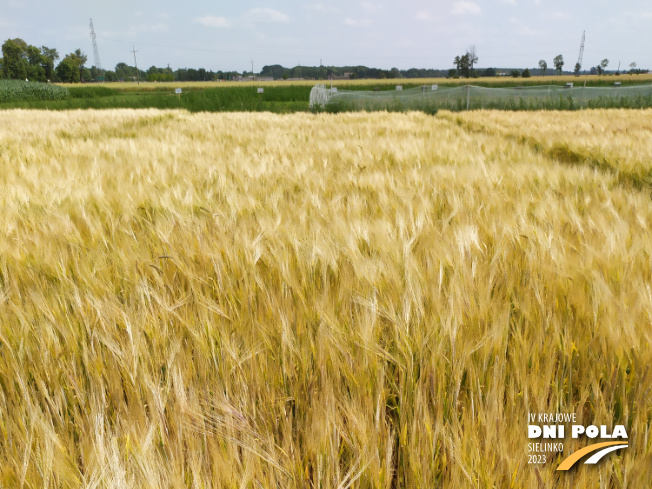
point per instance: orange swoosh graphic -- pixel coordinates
(574, 457)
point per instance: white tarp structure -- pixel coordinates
(472, 97)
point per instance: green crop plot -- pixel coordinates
(24, 91)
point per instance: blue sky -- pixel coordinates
(413, 33)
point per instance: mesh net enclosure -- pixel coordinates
(431, 98)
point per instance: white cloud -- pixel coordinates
(464, 7)
(423, 16)
(510, 2)
(356, 22)
(637, 15)
(531, 32)
(373, 8)
(267, 15)
(213, 21)
(16, 4)
(320, 7)
(129, 32)
(525, 30)
(159, 27)
(558, 15)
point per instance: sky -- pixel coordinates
(218, 35)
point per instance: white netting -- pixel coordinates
(319, 96)
(472, 97)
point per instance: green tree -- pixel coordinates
(86, 75)
(35, 70)
(125, 72)
(463, 64)
(67, 70)
(602, 66)
(14, 59)
(110, 76)
(81, 58)
(577, 69)
(24, 61)
(473, 56)
(543, 66)
(559, 63)
(155, 74)
(71, 67)
(526, 73)
(122, 71)
(48, 58)
(516, 73)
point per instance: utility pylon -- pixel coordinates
(579, 60)
(96, 55)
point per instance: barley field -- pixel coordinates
(321, 301)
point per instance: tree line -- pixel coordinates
(279, 72)
(23, 61)
(464, 67)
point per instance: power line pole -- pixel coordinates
(253, 77)
(133, 50)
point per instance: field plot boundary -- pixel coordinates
(561, 152)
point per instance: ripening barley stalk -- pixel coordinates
(352, 300)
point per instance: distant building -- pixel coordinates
(345, 76)
(254, 78)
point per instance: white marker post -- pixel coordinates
(178, 92)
